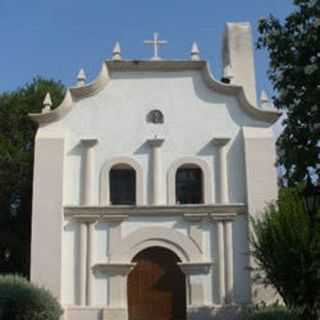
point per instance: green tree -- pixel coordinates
(294, 49)
(286, 245)
(17, 133)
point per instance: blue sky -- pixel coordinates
(54, 38)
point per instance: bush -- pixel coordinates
(286, 245)
(269, 313)
(22, 300)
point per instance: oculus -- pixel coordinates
(155, 116)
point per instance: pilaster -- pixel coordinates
(83, 264)
(87, 256)
(221, 262)
(157, 174)
(47, 210)
(225, 261)
(90, 259)
(194, 283)
(88, 170)
(229, 261)
(195, 230)
(222, 190)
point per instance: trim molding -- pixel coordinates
(193, 268)
(183, 246)
(73, 94)
(105, 183)
(115, 268)
(217, 211)
(206, 176)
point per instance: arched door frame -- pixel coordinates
(184, 247)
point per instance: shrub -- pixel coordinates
(22, 300)
(269, 313)
(286, 246)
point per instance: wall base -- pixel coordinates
(232, 312)
(193, 313)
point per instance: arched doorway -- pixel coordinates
(156, 286)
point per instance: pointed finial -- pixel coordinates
(81, 78)
(195, 52)
(116, 53)
(227, 73)
(264, 99)
(47, 103)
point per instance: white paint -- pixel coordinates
(157, 173)
(223, 188)
(102, 240)
(70, 265)
(83, 264)
(88, 170)
(90, 261)
(238, 52)
(229, 262)
(221, 262)
(135, 223)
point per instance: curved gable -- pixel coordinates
(76, 94)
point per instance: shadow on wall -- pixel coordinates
(145, 149)
(221, 100)
(74, 228)
(79, 151)
(209, 313)
(236, 170)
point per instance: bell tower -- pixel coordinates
(238, 55)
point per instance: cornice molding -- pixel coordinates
(86, 218)
(73, 94)
(57, 113)
(195, 268)
(217, 212)
(115, 268)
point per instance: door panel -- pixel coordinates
(156, 287)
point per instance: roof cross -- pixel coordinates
(156, 42)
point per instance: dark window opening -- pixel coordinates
(122, 186)
(189, 186)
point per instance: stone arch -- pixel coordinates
(184, 247)
(104, 179)
(207, 178)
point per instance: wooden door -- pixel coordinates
(156, 287)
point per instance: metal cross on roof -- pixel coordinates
(156, 42)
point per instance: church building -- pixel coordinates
(144, 183)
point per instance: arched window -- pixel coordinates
(189, 185)
(122, 185)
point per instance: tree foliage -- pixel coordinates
(286, 246)
(16, 170)
(294, 50)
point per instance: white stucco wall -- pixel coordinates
(194, 114)
(209, 282)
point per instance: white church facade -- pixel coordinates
(144, 182)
